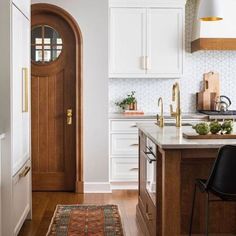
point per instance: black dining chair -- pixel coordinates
(221, 182)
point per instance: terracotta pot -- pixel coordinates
(132, 106)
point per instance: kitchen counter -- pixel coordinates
(178, 163)
(187, 116)
(171, 137)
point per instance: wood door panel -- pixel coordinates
(53, 93)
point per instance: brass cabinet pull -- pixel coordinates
(24, 172)
(25, 88)
(134, 169)
(134, 144)
(69, 116)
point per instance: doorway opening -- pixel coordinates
(56, 100)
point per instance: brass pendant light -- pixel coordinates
(210, 10)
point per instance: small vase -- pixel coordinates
(132, 106)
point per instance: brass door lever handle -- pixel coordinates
(69, 116)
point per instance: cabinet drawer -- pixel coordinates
(21, 196)
(124, 144)
(124, 126)
(127, 126)
(124, 169)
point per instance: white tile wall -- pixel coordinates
(196, 64)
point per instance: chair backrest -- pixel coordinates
(223, 176)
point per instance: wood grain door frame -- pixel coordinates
(49, 8)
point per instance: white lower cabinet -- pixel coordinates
(124, 144)
(124, 153)
(125, 169)
(21, 196)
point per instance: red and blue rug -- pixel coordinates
(86, 220)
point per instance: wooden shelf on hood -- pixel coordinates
(213, 44)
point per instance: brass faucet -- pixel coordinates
(176, 98)
(161, 117)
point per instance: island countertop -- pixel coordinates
(171, 137)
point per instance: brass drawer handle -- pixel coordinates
(133, 169)
(24, 172)
(134, 144)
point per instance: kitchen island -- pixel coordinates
(165, 209)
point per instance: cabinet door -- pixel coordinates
(20, 88)
(127, 42)
(23, 6)
(165, 43)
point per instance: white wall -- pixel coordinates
(196, 64)
(92, 17)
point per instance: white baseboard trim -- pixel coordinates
(97, 187)
(124, 185)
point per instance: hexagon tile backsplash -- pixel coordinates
(149, 90)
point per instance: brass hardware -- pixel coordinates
(25, 89)
(69, 116)
(134, 144)
(176, 98)
(133, 169)
(143, 59)
(146, 62)
(24, 172)
(160, 119)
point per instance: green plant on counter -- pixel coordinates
(227, 127)
(130, 99)
(202, 128)
(215, 127)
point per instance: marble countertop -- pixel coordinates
(190, 116)
(171, 137)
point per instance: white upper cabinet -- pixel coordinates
(165, 43)
(127, 42)
(146, 42)
(23, 6)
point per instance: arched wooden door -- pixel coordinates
(56, 102)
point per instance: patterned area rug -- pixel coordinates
(86, 220)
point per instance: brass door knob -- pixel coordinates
(69, 116)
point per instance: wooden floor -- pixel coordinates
(44, 204)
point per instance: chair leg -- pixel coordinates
(192, 212)
(207, 214)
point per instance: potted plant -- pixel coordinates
(128, 103)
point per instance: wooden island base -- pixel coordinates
(176, 171)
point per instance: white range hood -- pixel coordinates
(216, 35)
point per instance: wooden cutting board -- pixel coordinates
(212, 83)
(192, 135)
(211, 90)
(205, 101)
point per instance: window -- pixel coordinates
(46, 44)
